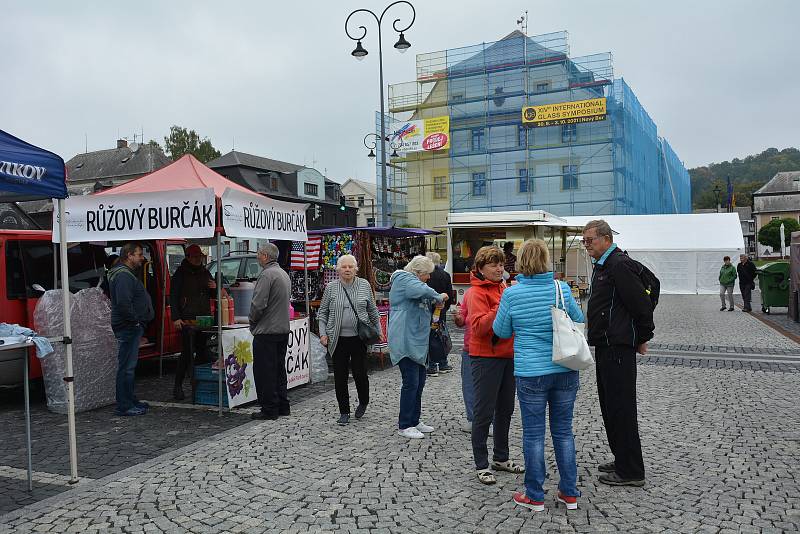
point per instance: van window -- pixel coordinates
(31, 262)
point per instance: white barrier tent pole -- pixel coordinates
(69, 378)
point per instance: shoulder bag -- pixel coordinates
(570, 348)
(368, 333)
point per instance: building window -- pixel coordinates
(370, 221)
(477, 139)
(478, 184)
(522, 134)
(310, 189)
(273, 183)
(523, 180)
(439, 187)
(569, 177)
(542, 87)
(361, 201)
(569, 133)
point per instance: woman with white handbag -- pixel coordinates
(526, 313)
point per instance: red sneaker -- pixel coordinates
(523, 500)
(570, 502)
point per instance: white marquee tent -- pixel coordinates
(685, 251)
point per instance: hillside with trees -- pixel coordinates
(746, 175)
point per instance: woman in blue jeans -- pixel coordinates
(525, 312)
(411, 301)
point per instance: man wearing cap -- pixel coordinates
(190, 297)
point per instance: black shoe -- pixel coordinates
(360, 409)
(285, 413)
(433, 373)
(141, 404)
(607, 467)
(730, 309)
(445, 369)
(177, 393)
(613, 479)
(263, 416)
(344, 419)
(722, 308)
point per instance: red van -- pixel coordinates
(28, 259)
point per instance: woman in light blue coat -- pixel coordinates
(411, 301)
(524, 311)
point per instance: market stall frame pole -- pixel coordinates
(69, 379)
(308, 300)
(220, 362)
(163, 312)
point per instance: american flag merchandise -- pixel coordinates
(312, 253)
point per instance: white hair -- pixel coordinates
(434, 257)
(345, 258)
(270, 250)
(419, 265)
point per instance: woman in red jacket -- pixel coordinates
(492, 364)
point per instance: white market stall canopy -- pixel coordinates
(685, 251)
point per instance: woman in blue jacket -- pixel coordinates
(525, 312)
(411, 301)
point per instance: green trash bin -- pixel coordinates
(773, 281)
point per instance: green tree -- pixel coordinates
(770, 234)
(181, 141)
(746, 175)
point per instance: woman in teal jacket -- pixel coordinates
(727, 279)
(411, 301)
(525, 312)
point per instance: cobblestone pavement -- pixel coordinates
(721, 444)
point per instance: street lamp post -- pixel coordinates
(371, 146)
(716, 194)
(359, 53)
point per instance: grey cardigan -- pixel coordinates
(332, 307)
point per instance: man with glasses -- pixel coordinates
(620, 323)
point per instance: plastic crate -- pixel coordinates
(206, 390)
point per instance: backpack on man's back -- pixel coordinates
(651, 283)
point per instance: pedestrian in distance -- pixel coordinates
(542, 386)
(441, 282)
(345, 302)
(620, 323)
(269, 324)
(111, 261)
(191, 290)
(131, 310)
(747, 280)
(492, 366)
(410, 301)
(510, 264)
(727, 279)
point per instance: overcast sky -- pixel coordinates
(720, 78)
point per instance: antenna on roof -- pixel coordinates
(522, 22)
(233, 144)
(85, 143)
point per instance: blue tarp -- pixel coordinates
(28, 172)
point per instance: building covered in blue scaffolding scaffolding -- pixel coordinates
(529, 128)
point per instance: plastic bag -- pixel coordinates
(94, 349)
(319, 363)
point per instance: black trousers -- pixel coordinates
(350, 353)
(616, 389)
(746, 290)
(269, 372)
(190, 338)
(493, 380)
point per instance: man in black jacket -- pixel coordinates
(620, 323)
(747, 280)
(131, 310)
(190, 296)
(441, 282)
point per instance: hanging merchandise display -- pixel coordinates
(299, 285)
(335, 245)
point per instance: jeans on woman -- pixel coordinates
(537, 393)
(411, 392)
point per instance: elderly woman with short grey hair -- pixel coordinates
(345, 302)
(411, 301)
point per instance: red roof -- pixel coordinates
(186, 173)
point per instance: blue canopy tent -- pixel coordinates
(28, 172)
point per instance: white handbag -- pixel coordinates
(570, 348)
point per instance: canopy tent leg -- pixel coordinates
(163, 312)
(69, 378)
(220, 363)
(308, 300)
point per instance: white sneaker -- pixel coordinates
(466, 426)
(411, 433)
(425, 429)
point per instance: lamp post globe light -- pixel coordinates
(359, 52)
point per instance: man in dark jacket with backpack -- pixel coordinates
(620, 323)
